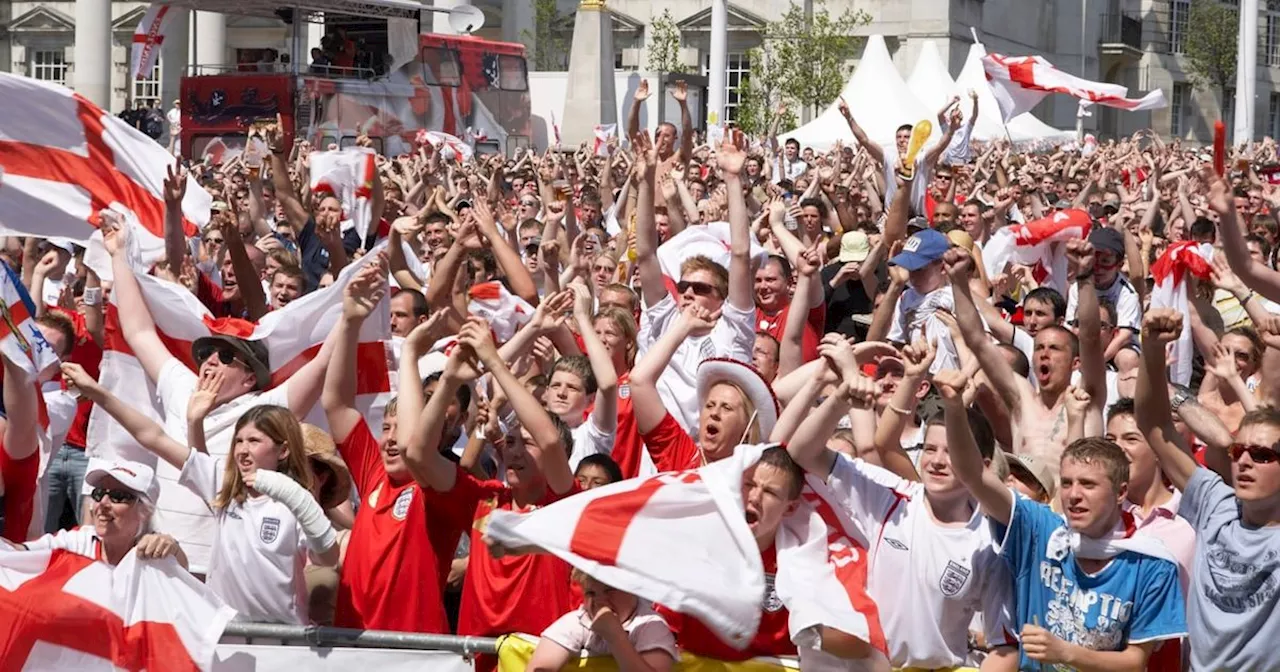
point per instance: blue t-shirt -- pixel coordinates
(1134, 599)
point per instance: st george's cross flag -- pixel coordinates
(1019, 83)
(347, 175)
(1037, 244)
(64, 611)
(1172, 273)
(64, 160)
(149, 37)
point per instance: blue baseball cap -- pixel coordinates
(922, 249)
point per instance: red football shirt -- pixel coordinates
(87, 353)
(772, 639)
(628, 445)
(670, 447)
(523, 593)
(391, 577)
(814, 326)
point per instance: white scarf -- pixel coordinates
(1121, 539)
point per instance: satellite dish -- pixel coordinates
(466, 19)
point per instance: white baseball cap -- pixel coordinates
(135, 476)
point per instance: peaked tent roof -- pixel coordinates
(878, 98)
(1022, 128)
(929, 80)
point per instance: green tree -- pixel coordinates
(664, 45)
(1210, 47)
(812, 56)
(760, 95)
(548, 42)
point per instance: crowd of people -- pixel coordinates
(1037, 493)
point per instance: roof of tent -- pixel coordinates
(929, 80)
(1022, 128)
(878, 98)
(378, 9)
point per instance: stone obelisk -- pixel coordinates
(590, 99)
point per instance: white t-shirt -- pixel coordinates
(259, 556)
(179, 511)
(588, 439)
(1122, 295)
(919, 182)
(732, 337)
(646, 630)
(915, 317)
(928, 579)
(80, 540)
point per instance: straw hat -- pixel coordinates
(324, 455)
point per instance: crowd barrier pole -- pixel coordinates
(325, 636)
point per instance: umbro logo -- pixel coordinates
(895, 543)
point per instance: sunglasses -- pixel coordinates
(213, 241)
(1259, 454)
(225, 355)
(699, 288)
(117, 496)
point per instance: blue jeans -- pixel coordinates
(66, 477)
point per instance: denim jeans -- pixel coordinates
(66, 477)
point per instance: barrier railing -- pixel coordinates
(325, 636)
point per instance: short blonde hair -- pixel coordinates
(700, 263)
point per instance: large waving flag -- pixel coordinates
(347, 175)
(292, 335)
(62, 611)
(649, 537)
(1033, 244)
(64, 160)
(149, 37)
(1171, 272)
(1020, 83)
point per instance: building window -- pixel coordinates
(1273, 119)
(49, 65)
(1178, 11)
(737, 67)
(1271, 45)
(1178, 111)
(147, 89)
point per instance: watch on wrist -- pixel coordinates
(1180, 397)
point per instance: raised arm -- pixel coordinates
(648, 404)
(20, 433)
(420, 430)
(147, 432)
(873, 150)
(651, 288)
(175, 239)
(1160, 327)
(633, 117)
(681, 94)
(966, 460)
(1265, 280)
(1093, 371)
(513, 268)
(791, 353)
(605, 413)
(741, 286)
(1006, 383)
(338, 395)
(135, 318)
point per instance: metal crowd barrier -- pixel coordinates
(325, 636)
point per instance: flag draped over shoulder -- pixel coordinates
(347, 175)
(63, 611)
(1020, 83)
(1171, 275)
(149, 37)
(1034, 244)
(64, 160)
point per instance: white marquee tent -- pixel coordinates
(930, 81)
(1022, 128)
(878, 98)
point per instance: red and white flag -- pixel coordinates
(451, 147)
(711, 241)
(602, 133)
(64, 160)
(148, 38)
(650, 537)
(1170, 273)
(1019, 83)
(1036, 244)
(347, 175)
(505, 312)
(64, 611)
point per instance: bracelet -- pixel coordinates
(1248, 297)
(1085, 276)
(92, 296)
(895, 409)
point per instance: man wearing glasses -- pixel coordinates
(1234, 596)
(242, 366)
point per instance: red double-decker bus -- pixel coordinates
(457, 84)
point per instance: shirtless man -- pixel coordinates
(1040, 426)
(669, 157)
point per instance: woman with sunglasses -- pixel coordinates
(123, 496)
(262, 495)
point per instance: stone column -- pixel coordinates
(92, 74)
(211, 40)
(591, 99)
(719, 62)
(175, 54)
(518, 23)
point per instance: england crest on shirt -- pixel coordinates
(953, 578)
(772, 602)
(624, 391)
(270, 529)
(401, 508)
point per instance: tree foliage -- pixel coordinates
(548, 42)
(664, 45)
(798, 65)
(1210, 45)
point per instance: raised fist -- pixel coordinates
(1161, 326)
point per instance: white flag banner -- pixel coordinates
(347, 175)
(63, 611)
(1020, 83)
(1172, 273)
(149, 37)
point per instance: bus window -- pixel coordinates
(349, 141)
(512, 74)
(441, 66)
